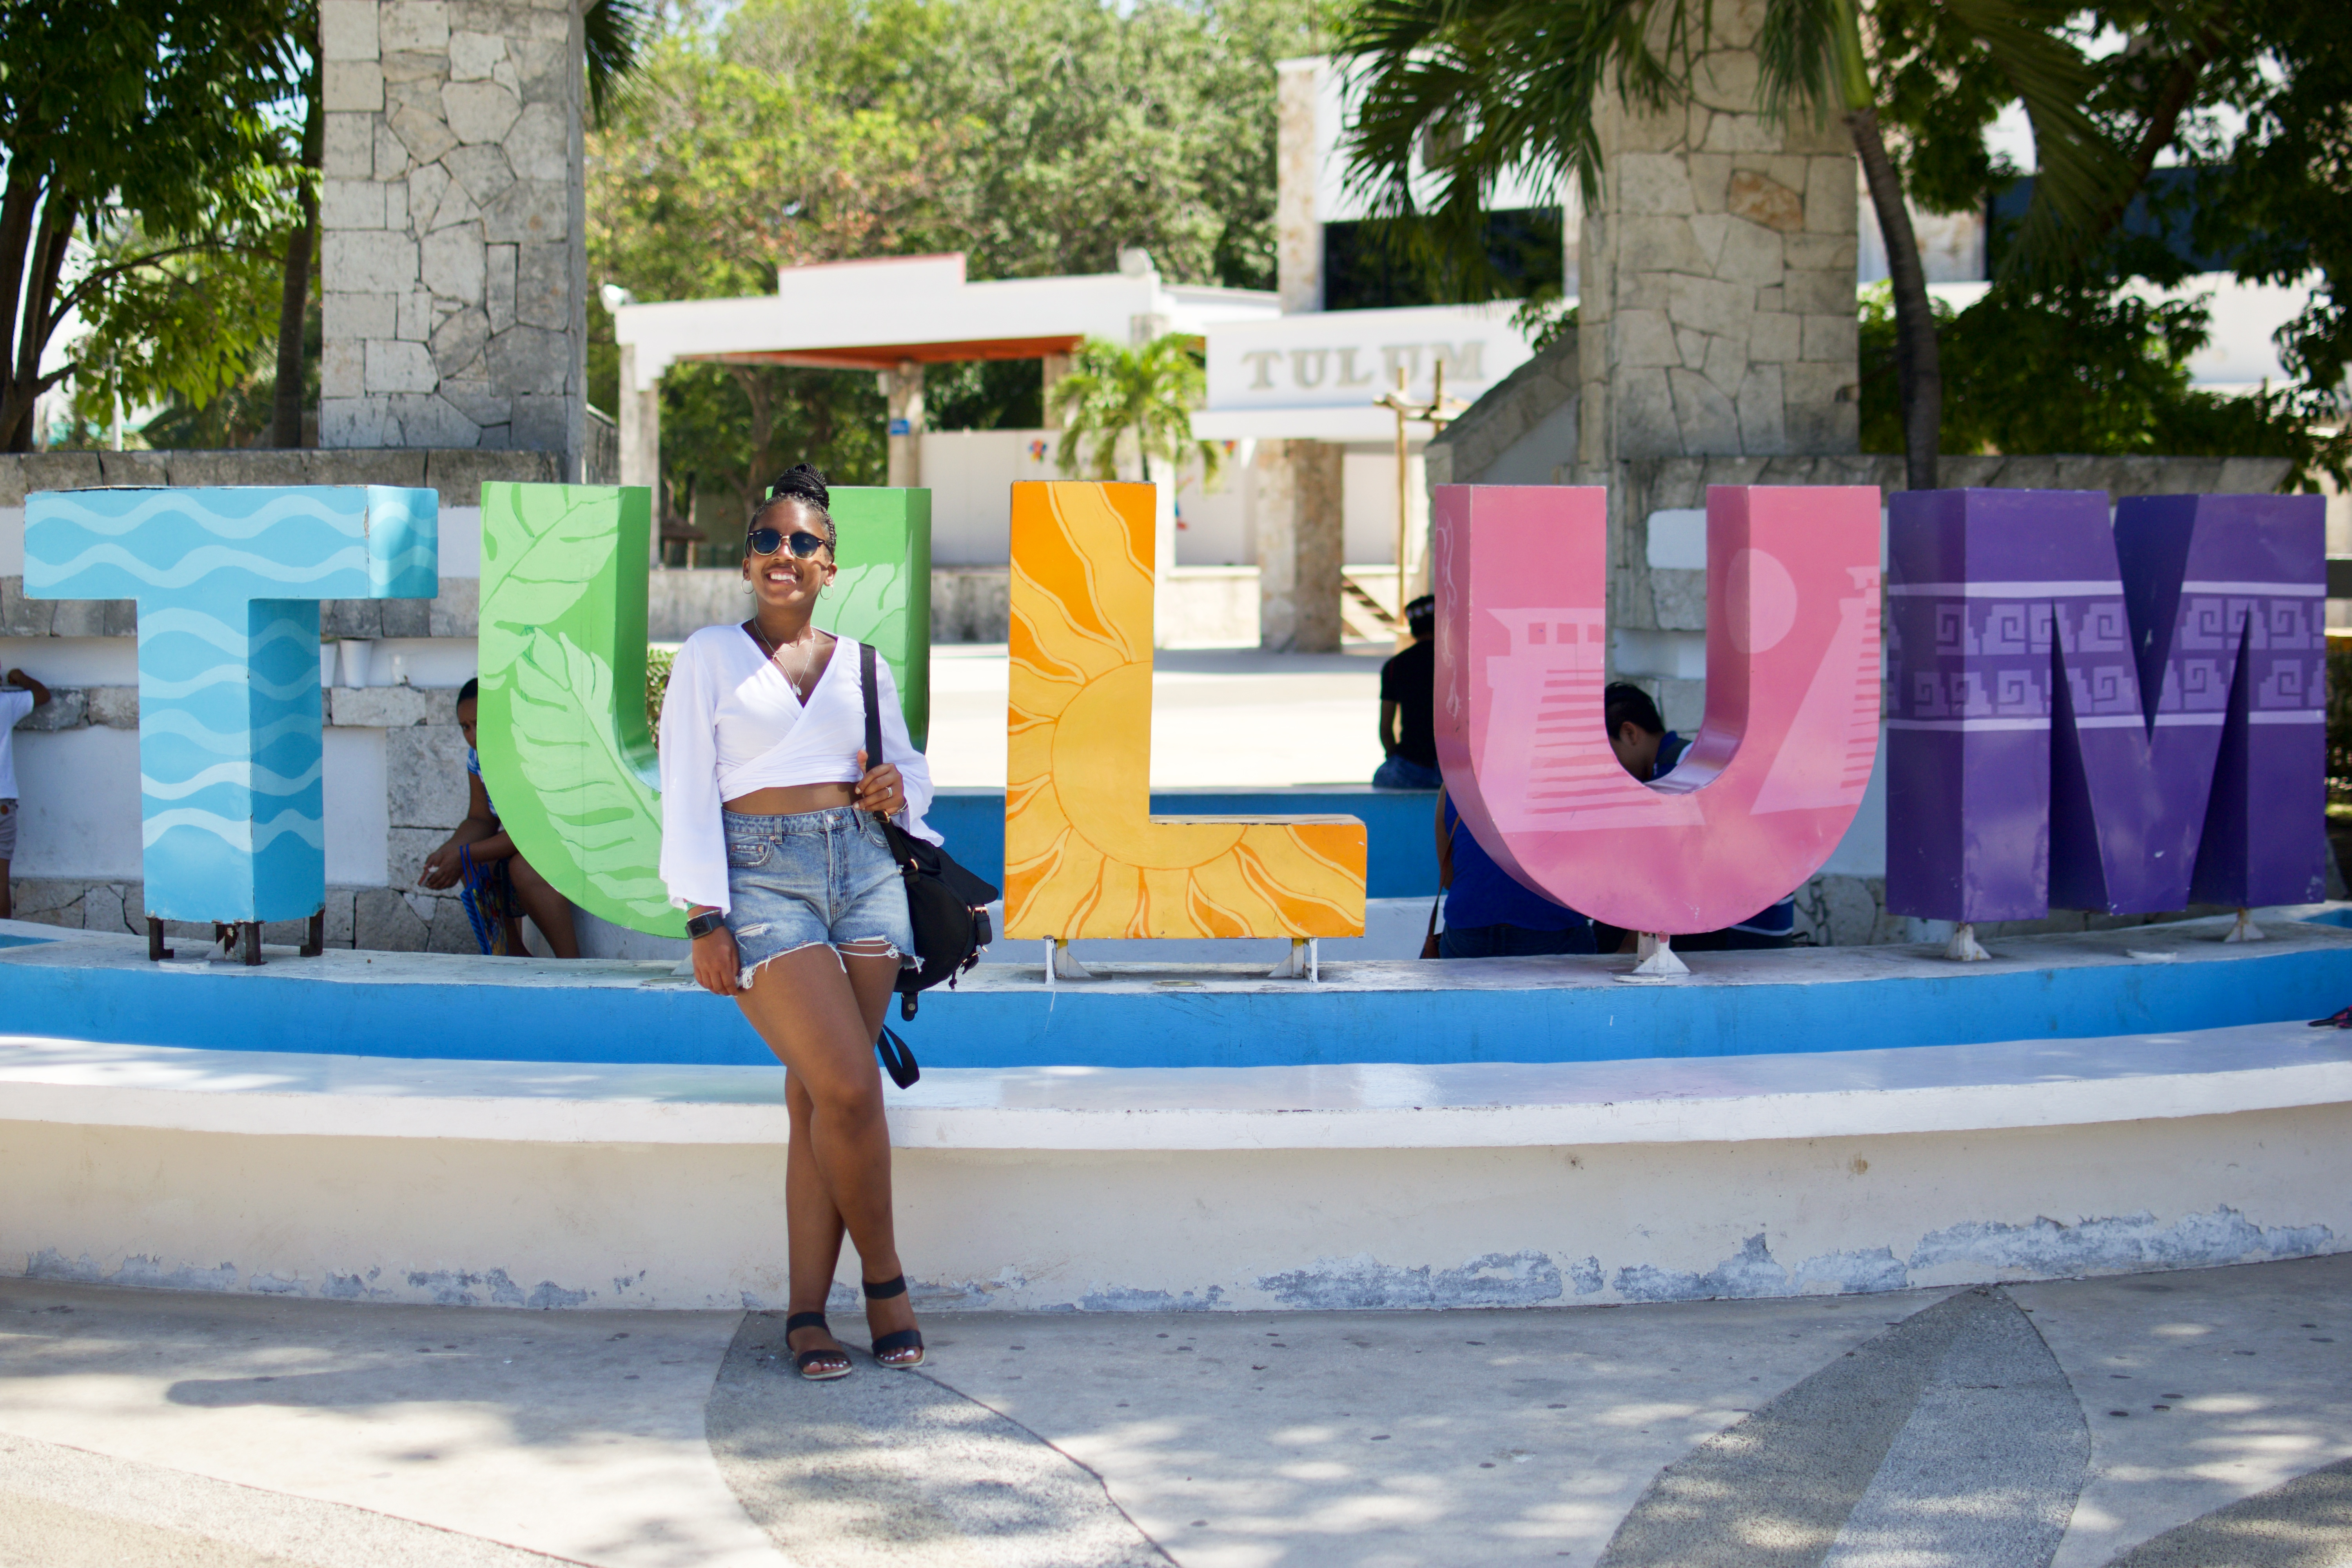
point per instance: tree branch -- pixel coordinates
(97, 275)
(2163, 123)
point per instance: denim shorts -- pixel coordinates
(812, 877)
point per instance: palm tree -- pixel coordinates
(1113, 392)
(1472, 89)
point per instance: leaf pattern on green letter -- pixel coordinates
(565, 750)
(606, 807)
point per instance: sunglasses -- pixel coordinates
(768, 541)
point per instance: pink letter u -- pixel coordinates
(1771, 782)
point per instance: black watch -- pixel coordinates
(706, 923)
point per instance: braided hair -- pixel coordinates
(804, 485)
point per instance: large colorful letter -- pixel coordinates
(1083, 856)
(2183, 753)
(566, 751)
(229, 796)
(1771, 782)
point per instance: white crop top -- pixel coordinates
(731, 723)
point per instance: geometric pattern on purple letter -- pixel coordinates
(2119, 717)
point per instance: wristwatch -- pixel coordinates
(706, 923)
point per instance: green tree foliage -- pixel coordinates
(147, 188)
(1467, 90)
(2085, 368)
(1118, 400)
(1034, 136)
(2287, 205)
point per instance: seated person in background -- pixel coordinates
(19, 695)
(1489, 914)
(1648, 750)
(501, 886)
(1409, 706)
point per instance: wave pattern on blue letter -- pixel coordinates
(232, 818)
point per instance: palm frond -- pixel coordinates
(616, 33)
(1808, 60)
(2082, 172)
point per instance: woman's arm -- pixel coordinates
(479, 830)
(898, 750)
(1390, 739)
(694, 842)
(1444, 846)
(718, 967)
(40, 692)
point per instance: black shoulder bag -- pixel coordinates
(947, 904)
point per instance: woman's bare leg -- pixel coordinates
(550, 911)
(820, 1022)
(813, 1226)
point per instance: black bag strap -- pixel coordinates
(897, 1059)
(873, 705)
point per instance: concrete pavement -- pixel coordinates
(2196, 1417)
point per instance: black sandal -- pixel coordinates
(2339, 1019)
(806, 1359)
(901, 1340)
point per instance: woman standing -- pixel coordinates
(797, 911)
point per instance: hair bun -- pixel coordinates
(805, 483)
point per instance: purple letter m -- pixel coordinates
(2122, 719)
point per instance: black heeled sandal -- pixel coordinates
(841, 1365)
(901, 1340)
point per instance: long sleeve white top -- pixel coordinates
(731, 723)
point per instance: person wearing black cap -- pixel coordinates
(1409, 706)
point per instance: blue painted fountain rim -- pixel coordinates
(2145, 979)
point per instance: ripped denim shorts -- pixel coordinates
(814, 878)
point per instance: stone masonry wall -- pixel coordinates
(454, 280)
(1717, 313)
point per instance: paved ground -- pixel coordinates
(2187, 1420)
(1226, 717)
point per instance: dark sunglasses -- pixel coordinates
(768, 541)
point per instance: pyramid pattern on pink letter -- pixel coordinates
(1779, 766)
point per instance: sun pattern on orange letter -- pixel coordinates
(1083, 856)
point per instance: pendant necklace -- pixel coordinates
(807, 658)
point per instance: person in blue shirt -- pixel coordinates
(1648, 749)
(1489, 914)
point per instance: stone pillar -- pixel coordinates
(1297, 487)
(903, 389)
(1717, 275)
(1297, 228)
(453, 215)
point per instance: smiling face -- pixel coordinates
(784, 581)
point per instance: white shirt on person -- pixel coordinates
(731, 723)
(15, 703)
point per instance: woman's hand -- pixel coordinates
(443, 868)
(880, 789)
(716, 968)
